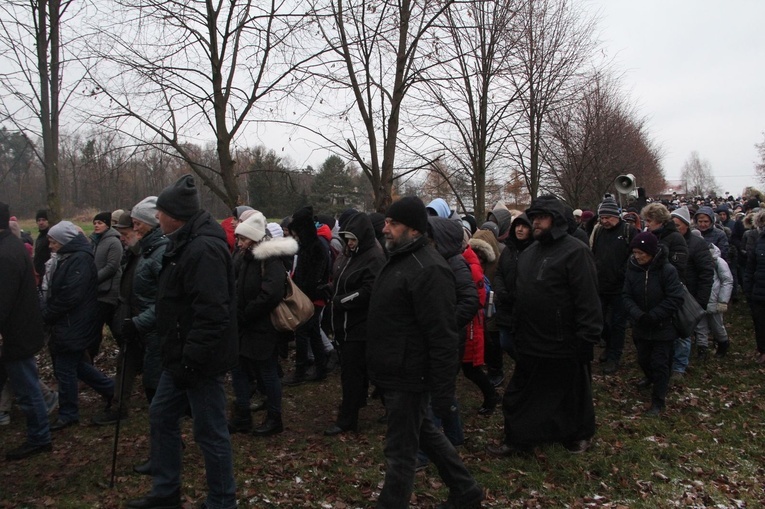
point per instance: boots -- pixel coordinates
(241, 421)
(722, 349)
(271, 425)
(702, 353)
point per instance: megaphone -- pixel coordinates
(625, 184)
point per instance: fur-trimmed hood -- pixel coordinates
(273, 248)
(482, 245)
(759, 219)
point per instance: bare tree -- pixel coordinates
(555, 40)
(376, 57)
(33, 94)
(759, 166)
(468, 98)
(697, 175)
(199, 70)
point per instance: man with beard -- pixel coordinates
(558, 320)
(412, 356)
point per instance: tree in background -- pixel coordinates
(759, 166)
(697, 175)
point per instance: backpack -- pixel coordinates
(489, 308)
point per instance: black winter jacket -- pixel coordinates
(611, 250)
(313, 264)
(260, 286)
(676, 246)
(20, 318)
(655, 290)
(700, 271)
(557, 309)
(411, 329)
(42, 252)
(754, 276)
(72, 307)
(196, 300)
(504, 281)
(352, 280)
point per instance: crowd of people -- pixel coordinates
(403, 301)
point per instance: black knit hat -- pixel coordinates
(181, 199)
(647, 242)
(42, 213)
(104, 217)
(5, 216)
(411, 212)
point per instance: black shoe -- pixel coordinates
(272, 425)
(293, 379)
(610, 367)
(466, 501)
(654, 411)
(108, 417)
(317, 376)
(241, 421)
(722, 349)
(26, 450)
(506, 451)
(336, 429)
(578, 446)
(61, 424)
(702, 353)
(489, 405)
(144, 468)
(150, 502)
(643, 383)
(497, 379)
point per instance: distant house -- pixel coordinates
(674, 189)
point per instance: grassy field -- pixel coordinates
(705, 451)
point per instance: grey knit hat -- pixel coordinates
(682, 214)
(180, 200)
(63, 232)
(146, 211)
(608, 207)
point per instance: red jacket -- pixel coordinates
(474, 344)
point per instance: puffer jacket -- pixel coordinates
(354, 275)
(196, 300)
(411, 327)
(504, 282)
(557, 308)
(71, 308)
(654, 289)
(145, 278)
(610, 246)
(447, 236)
(260, 286)
(484, 242)
(107, 250)
(722, 287)
(474, 338)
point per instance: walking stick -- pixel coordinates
(119, 413)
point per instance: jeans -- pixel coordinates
(682, 354)
(25, 383)
(68, 367)
(308, 335)
(267, 371)
(208, 405)
(614, 325)
(410, 429)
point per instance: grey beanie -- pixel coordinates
(608, 207)
(146, 211)
(682, 214)
(180, 200)
(63, 232)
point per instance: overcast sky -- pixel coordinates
(696, 70)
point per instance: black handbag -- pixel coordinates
(688, 316)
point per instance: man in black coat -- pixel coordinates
(610, 247)
(558, 321)
(22, 332)
(196, 321)
(42, 246)
(412, 356)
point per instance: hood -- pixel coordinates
(273, 248)
(78, 244)
(324, 231)
(549, 204)
(723, 208)
(502, 217)
(447, 235)
(707, 211)
(440, 207)
(360, 226)
(714, 251)
(484, 242)
(200, 224)
(304, 226)
(521, 245)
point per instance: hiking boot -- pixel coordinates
(272, 425)
(702, 353)
(469, 500)
(151, 502)
(610, 367)
(109, 416)
(240, 421)
(489, 404)
(722, 349)
(26, 450)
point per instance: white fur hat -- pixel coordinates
(254, 227)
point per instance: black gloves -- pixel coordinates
(186, 377)
(129, 331)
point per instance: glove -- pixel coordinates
(129, 331)
(645, 320)
(722, 307)
(325, 292)
(186, 377)
(444, 409)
